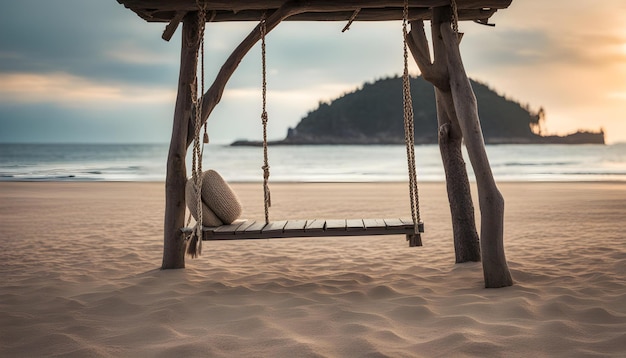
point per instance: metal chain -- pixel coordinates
(264, 118)
(409, 134)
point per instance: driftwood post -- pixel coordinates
(466, 242)
(491, 202)
(174, 244)
(457, 113)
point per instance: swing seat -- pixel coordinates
(251, 229)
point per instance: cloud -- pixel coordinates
(72, 91)
(95, 39)
(77, 55)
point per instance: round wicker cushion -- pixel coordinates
(208, 216)
(220, 197)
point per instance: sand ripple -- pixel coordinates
(70, 291)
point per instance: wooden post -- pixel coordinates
(466, 242)
(174, 244)
(491, 202)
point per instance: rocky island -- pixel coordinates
(372, 114)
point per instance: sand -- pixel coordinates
(80, 277)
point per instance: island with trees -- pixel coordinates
(372, 114)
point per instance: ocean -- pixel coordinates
(325, 163)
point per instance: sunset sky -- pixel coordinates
(93, 71)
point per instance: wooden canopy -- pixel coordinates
(313, 10)
(457, 115)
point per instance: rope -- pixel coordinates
(409, 128)
(266, 167)
(195, 246)
(455, 17)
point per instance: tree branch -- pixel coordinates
(435, 72)
(214, 94)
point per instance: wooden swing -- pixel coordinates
(251, 229)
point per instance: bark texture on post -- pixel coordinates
(491, 202)
(183, 129)
(466, 242)
(174, 244)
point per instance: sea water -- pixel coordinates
(322, 163)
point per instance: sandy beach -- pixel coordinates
(80, 277)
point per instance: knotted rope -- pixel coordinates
(195, 245)
(455, 17)
(409, 128)
(266, 167)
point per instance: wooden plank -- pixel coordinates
(228, 229)
(374, 223)
(355, 225)
(315, 6)
(315, 225)
(250, 229)
(294, 225)
(256, 227)
(420, 225)
(165, 10)
(245, 225)
(393, 223)
(335, 225)
(274, 227)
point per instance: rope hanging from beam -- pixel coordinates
(409, 128)
(195, 243)
(267, 201)
(455, 17)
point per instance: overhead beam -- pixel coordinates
(318, 10)
(321, 5)
(364, 15)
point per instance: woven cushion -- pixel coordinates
(220, 197)
(208, 216)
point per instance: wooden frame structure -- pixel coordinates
(254, 230)
(456, 103)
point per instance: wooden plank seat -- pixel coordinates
(251, 229)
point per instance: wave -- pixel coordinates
(359, 163)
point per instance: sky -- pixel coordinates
(92, 71)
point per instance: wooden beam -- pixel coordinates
(170, 29)
(300, 228)
(174, 244)
(319, 5)
(318, 10)
(387, 14)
